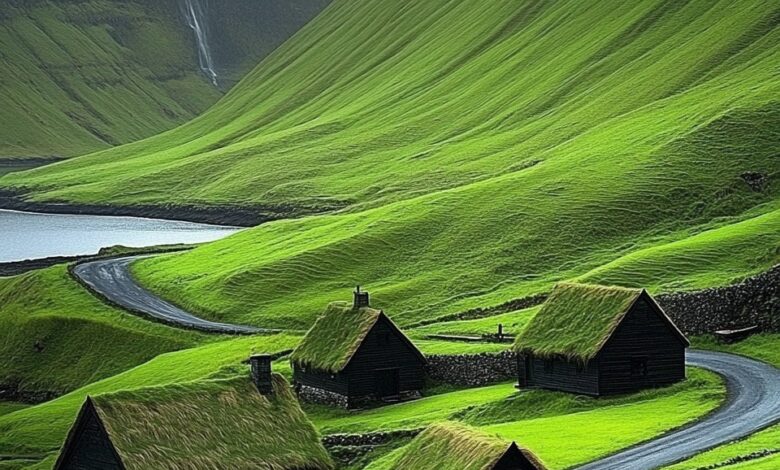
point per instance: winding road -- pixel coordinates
(111, 279)
(753, 404)
(753, 401)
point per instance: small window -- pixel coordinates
(638, 367)
(548, 365)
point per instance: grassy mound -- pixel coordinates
(55, 337)
(42, 428)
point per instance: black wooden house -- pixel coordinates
(598, 340)
(232, 423)
(355, 354)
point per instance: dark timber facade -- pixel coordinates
(644, 350)
(88, 446)
(385, 366)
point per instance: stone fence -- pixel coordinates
(754, 301)
(472, 369)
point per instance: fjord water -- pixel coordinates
(26, 235)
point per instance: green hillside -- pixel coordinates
(83, 76)
(480, 152)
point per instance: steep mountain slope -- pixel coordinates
(479, 151)
(82, 76)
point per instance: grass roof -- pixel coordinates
(576, 320)
(214, 424)
(452, 446)
(335, 336)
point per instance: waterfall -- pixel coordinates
(195, 14)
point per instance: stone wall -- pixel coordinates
(754, 301)
(472, 369)
(322, 397)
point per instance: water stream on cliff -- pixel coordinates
(195, 14)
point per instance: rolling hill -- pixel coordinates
(469, 153)
(83, 76)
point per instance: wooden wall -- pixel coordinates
(89, 448)
(566, 376)
(643, 334)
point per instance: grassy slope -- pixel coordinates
(81, 339)
(548, 422)
(79, 77)
(42, 428)
(669, 104)
(82, 76)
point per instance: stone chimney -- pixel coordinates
(360, 299)
(261, 373)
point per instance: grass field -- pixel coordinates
(562, 429)
(56, 337)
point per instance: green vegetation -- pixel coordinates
(56, 337)
(83, 76)
(176, 426)
(42, 428)
(335, 337)
(452, 446)
(565, 440)
(462, 183)
(79, 77)
(561, 429)
(9, 407)
(513, 322)
(763, 346)
(576, 320)
(768, 439)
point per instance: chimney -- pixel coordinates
(261, 373)
(360, 299)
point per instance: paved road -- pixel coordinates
(753, 403)
(111, 279)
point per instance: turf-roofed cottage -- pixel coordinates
(599, 340)
(353, 355)
(451, 446)
(209, 424)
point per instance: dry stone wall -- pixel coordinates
(473, 369)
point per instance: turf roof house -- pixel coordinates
(598, 340)
(452, 446)
(210, 424)
(354, 354)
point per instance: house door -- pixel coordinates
(388, 382)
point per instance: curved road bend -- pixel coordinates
(753, 403)
(111, 279)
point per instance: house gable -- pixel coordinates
(386, 339)
(646, 311)
(515, 459)
(88, 445)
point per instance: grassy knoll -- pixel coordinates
(42, 428)
(83, 76)
(55, 336)
(549, 423)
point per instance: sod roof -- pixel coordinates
(336, 336)
(452, 446)
(214, 424)
(576, 320)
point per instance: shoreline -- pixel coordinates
(223, 215)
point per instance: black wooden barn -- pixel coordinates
(355, 354)
(598, 340)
